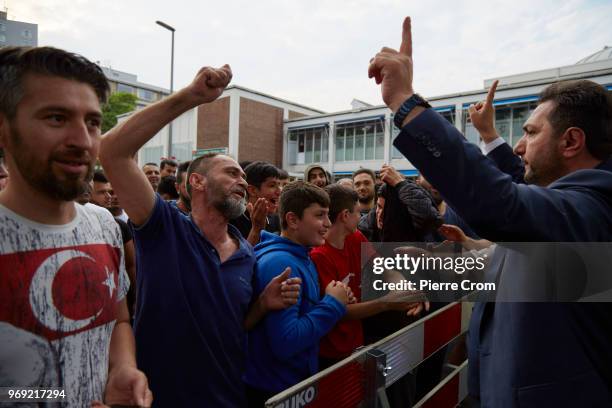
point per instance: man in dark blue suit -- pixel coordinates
(523, 354)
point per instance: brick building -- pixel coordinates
(247, 123)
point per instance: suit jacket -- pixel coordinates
(524, 354)
(508, 162)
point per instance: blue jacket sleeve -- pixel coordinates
(289, 331)
(508, 162)
(497, 208)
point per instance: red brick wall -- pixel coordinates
(261, 132)
(213, 124)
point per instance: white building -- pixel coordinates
(17, 33)
(361, 137)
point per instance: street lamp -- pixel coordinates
(171, 29)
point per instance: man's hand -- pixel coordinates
(281, 292)
(337, 290)
(394, 70)
(389, 175)
(258, 213)
(209, 83)
(453, 233)
(482, 116)
(412, 251)
(126, 385)
(411, 302)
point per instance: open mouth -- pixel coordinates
(239, 193)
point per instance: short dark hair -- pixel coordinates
(150, 164)
(199, 165)
(282, 174)
(297, 196)
(99, 177)
(166, 186)
(16, 62)
(181, 170)
(586, 105)
(167, 162)
(363, 170)
(245, 163)
(340, 198)
(258, 172)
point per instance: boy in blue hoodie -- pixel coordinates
(284, 347)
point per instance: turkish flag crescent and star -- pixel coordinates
(58, 292)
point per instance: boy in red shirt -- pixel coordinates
(339, 259)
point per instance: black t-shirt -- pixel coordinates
(244, 224)
(126, 231)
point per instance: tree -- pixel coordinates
(118, 103)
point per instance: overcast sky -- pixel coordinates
(316, 52)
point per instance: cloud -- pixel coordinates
(316, 52)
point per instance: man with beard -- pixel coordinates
(523, 354)
(316, 175)
(364, 182)
(62, 275)
(194, 273)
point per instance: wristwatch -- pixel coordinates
(407, 106)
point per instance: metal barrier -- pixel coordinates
(360, 380)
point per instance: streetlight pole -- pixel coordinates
(171, 29)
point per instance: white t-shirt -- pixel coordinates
(59, 287)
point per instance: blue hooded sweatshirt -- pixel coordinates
(284, 346)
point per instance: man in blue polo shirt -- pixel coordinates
(194, 273)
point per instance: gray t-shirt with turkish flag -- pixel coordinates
(59, 288)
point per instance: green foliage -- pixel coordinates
(118, 103)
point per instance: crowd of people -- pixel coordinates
(217, 283)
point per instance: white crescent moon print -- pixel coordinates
(45, 310)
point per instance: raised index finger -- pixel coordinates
(491, 93)
(406, 47)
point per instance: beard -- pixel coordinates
(545, 170)
(223, 201)
(366, 199)
(40, 175)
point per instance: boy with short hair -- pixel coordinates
(263, 194)
(284, 347)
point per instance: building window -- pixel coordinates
(145, 94)
(448, 115)
(509, 120)
(360, 141)
(2, 38)
(125, 88)
(2, 27)
(305, 146)
(26, 34)
(503, 119)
